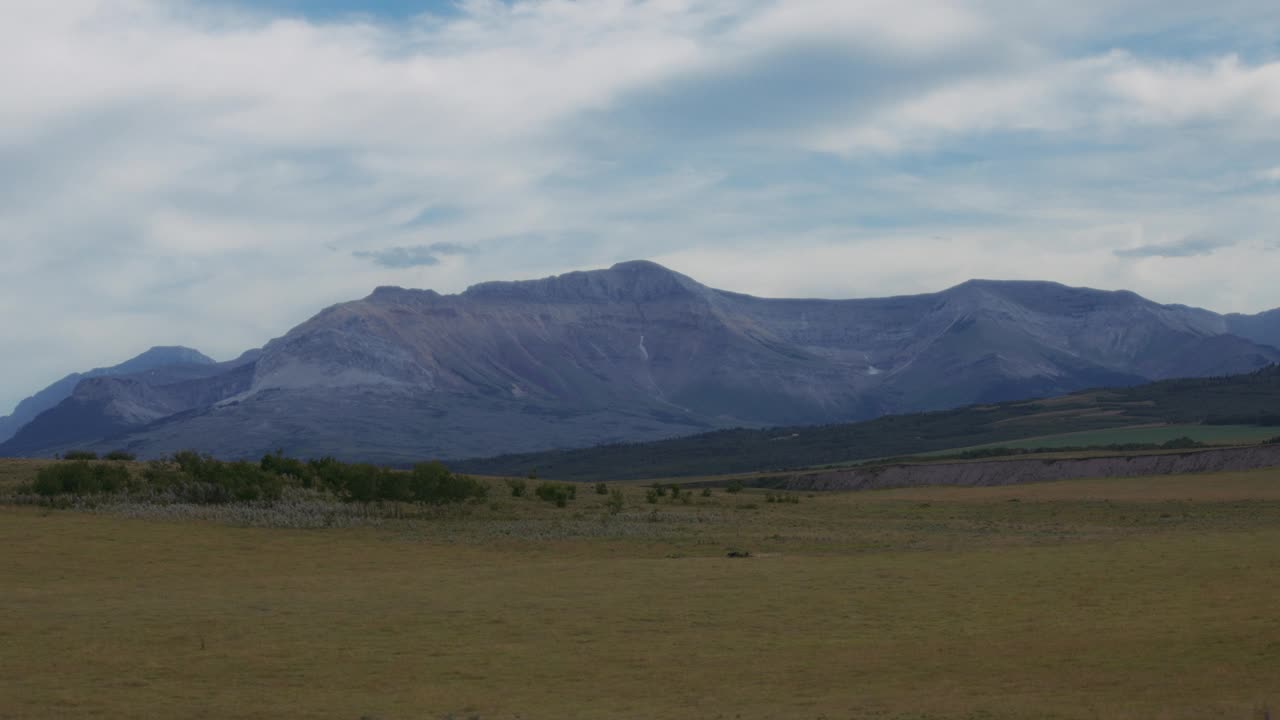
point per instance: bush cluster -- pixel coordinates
(428, 483)
(558, 493)
(80, 477)
(782, 498)
(202, 479)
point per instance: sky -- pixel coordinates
(210, 172)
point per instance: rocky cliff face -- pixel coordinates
(639, 352)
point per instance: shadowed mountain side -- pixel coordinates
(1241, 399)
(388, 426)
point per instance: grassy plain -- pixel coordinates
(1146, 434)
(1135, 598)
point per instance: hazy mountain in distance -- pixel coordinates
(1261, 328)
(46, 399)
(639, 352)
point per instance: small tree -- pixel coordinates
(602, 489)
(518, 487)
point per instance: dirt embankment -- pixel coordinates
(1012, 472)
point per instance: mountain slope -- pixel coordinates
(46, 399)
(1262, 328)
(638, 352)
(1254, 397)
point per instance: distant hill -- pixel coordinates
(638, 352)
(1242, 399)
(48, 398)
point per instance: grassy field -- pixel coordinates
(1136, 598)
(1148, 434)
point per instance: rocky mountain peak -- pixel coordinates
(395, 295)
(162, 356)
(633, 281)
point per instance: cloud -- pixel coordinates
(409, 257)
(284, 156)
(1191, 246)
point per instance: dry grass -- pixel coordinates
(17, 472)
(1150, 598)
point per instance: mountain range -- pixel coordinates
(635, 352)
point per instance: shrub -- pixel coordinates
(706, 492)
(78, 477)
(120, 456)
(79, 455)
(278, 464)
(229, 480)
(359, 483)
(602, 489)
(399, 487)
(558, 493)
(660, 489)
(734, 486)
(1181, 443)
(651, 496)
(518, 487)
(616, 501)
(432, 483)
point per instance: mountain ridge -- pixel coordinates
(638, 351)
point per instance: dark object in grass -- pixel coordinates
(738, 554)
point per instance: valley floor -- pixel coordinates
(1134, 598)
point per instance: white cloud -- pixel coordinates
(179, 172)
